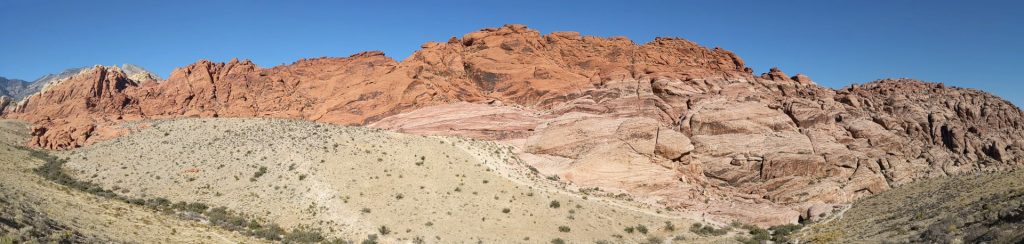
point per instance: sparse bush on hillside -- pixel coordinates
(370, 239)
(642, 229)
(302, 235)
(707, 230)
(564, 229)
(629, 229)
(557, 241)
(780, 233)
(260, 172)
(554, 204)
(669, 226)
(271, 232)
(383, 229)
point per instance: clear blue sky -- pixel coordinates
(977, 44)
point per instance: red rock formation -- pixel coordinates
(668, 122)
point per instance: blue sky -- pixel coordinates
(977, 44)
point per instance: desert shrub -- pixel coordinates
(262, 171)
(506, 210)
(757, 234)
(655, 240)
(158, 203)
(669, 226)
(553, 177)
(137, 201)
(629, 229)
(370, 239)
(780, 233)
(642, 229)
(707, 230)
(301, 235)
(302, 177)
(384, 230)
(564, 229)
(557, 241)
(271, 232)
(554, 204)
(365, 210)
(196, 207)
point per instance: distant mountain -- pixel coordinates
(19, 89)
(12, 87)
(138, 74)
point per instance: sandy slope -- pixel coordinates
(350, 181)
(52, 212)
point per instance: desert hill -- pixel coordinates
(667, 123)
(350, 183)
(34, 209)
(969, 209)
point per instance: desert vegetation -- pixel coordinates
(349, 184)
(218, 216)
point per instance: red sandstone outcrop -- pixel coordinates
(668, 122)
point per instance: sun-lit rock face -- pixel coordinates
(668, 122)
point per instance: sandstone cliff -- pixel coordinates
(668, 122)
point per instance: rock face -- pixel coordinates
(668, 122)
(19, 89)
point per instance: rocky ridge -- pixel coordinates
(669, 122)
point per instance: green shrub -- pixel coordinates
(557, 241)
(554, 204)
(642, 229)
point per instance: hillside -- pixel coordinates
(668, 123)
(350, 182)
(987, 208)
(33, 208)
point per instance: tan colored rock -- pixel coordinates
(672, 144)
(4, 103)
(739, 118)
